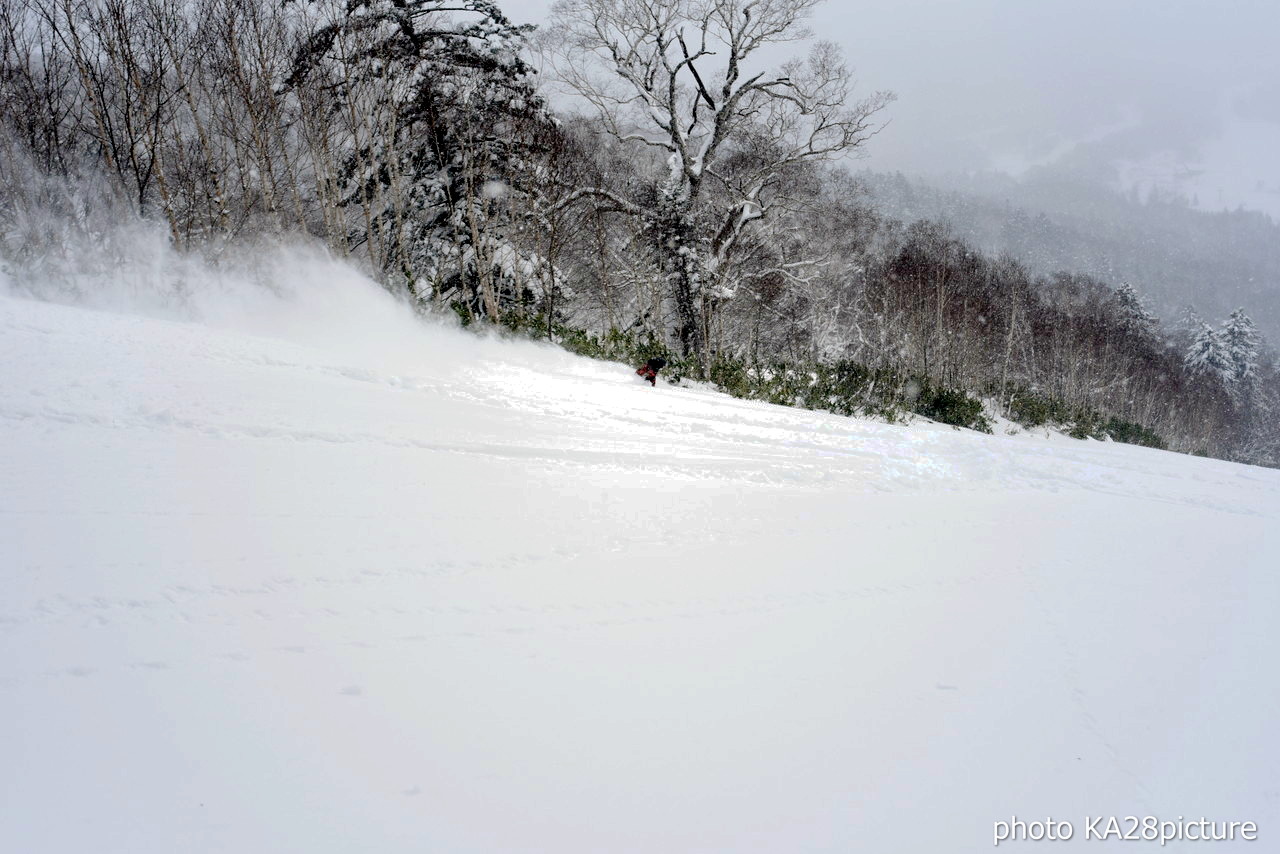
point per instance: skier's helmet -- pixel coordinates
(657, 363)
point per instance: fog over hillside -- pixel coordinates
(1173, 254)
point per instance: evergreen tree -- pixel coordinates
(1207, 355)
(1241, 345)
(1133, 318)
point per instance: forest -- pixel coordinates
(652, 177)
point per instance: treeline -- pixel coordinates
(696, 209)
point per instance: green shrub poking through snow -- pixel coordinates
(951, 406)
(1033, 409)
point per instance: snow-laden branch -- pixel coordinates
(636, 64)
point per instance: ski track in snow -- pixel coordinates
(461, 595)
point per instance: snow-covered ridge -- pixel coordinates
(292, 570)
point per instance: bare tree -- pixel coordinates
(679, 76)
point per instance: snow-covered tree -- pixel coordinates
(1134, 319)
(438, 106)
(679, 76)
(1207, 355)
(1241, 345)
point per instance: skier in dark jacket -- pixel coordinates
(649, 370)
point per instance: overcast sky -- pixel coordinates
(1176, 92)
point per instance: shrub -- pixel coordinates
(1033, 409)
(1134, 434)
(732, 376)
(951, 406)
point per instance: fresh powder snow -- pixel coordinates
(290, 570)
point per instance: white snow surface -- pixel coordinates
(310, 575)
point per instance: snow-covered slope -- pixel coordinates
(313, 577)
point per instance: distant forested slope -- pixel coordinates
(1174, 254)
